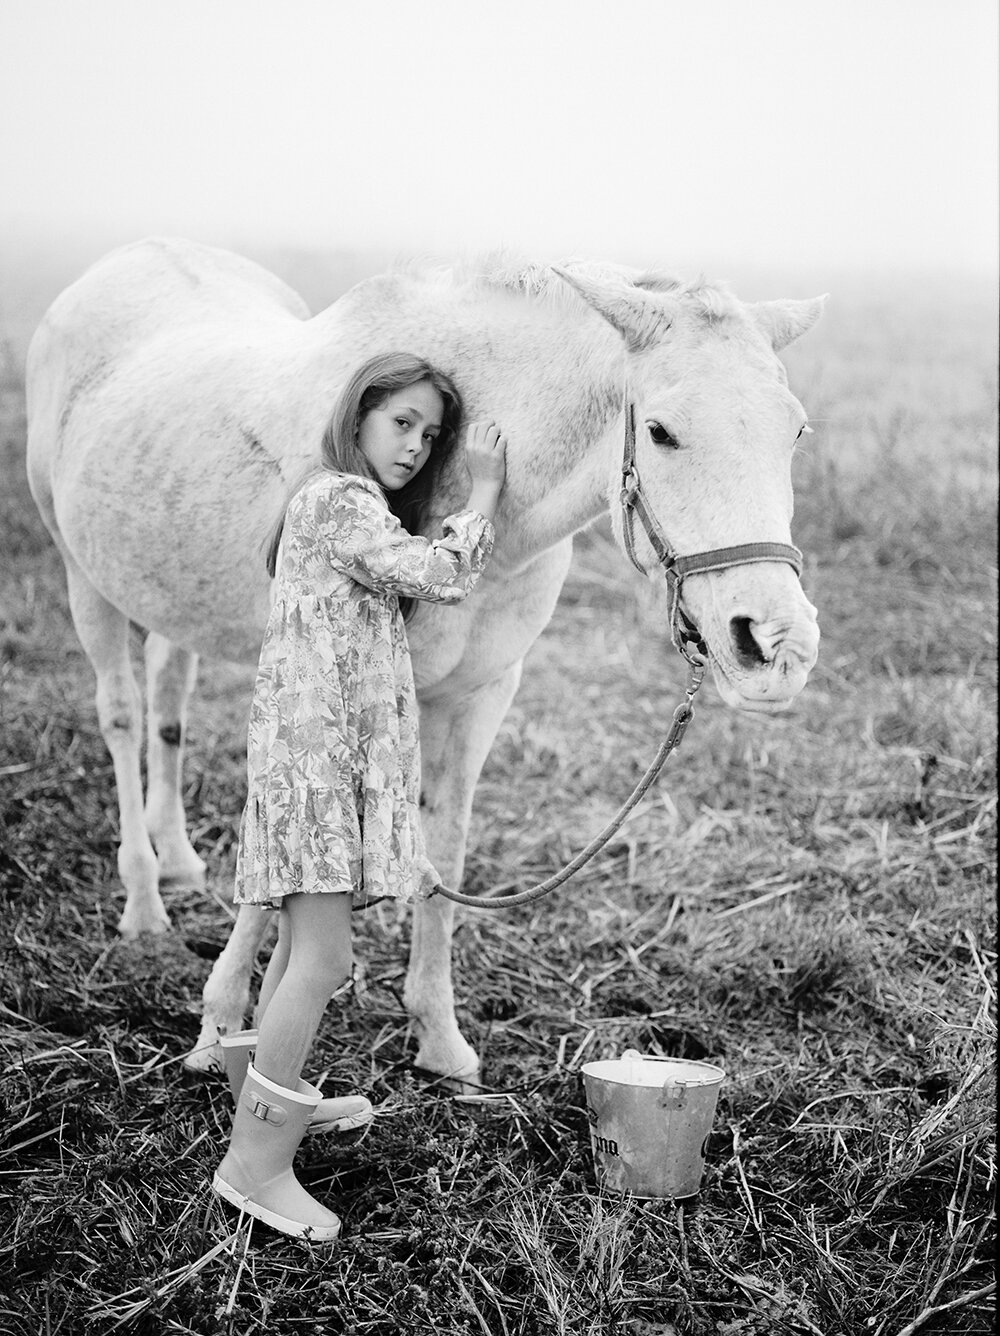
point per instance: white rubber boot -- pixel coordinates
(348, 1113)
(256, 1173)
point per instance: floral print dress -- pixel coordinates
(333, 761)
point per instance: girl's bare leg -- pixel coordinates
(318, 929)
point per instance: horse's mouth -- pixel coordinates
(761, 665)
(747, 679)
(749, 706)
(759, 695)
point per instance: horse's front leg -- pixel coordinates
(170, 674)
(455, 739)
(226, 995)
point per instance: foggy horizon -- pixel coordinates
(785, 137)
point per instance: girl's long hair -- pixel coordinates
(368, 388)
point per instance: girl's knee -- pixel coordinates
(320, 940)
(322, 913)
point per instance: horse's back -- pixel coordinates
(136, 293)
(142, 285)
(126, 416)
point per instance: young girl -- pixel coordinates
(332, 810)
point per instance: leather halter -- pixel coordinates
(683, 632)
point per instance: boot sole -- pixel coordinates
(295, 1228)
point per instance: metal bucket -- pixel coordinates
(649, 1122)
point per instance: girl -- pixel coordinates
(331, 817)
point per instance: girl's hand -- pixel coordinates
(485, 454)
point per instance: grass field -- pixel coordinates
(807, 901)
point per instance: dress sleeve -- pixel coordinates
(363, 538)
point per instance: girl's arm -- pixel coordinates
(371, 546)
(356, 533)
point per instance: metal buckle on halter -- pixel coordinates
(691, 643)
(630, 486)
(684, 634)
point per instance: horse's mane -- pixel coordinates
(500, 271)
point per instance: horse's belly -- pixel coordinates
(166, 544)
(206, 597)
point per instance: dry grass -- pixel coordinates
(808, 901)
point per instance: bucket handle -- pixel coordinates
(674, 1095)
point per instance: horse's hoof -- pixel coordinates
(132, 926)
(181, 867)
(459, 1083)
(204, 1060)
(447, 1057)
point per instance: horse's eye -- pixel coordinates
(659, 435)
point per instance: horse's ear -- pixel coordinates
(786, 320)
(637, 319)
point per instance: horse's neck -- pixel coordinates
(562, 451)
(550, 375)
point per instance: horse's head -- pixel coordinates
(715, 427)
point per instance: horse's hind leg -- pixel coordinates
(104, 633)
(170, 675)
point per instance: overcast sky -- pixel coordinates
(687, 132)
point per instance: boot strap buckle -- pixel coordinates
(267, 1113)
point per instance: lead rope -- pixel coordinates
(682, 717)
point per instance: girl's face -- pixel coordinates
(397, 437)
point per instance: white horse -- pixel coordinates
(176, 391)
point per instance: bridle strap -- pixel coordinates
(744, 555)
(676, 568)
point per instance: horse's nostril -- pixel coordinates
(748, 651)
